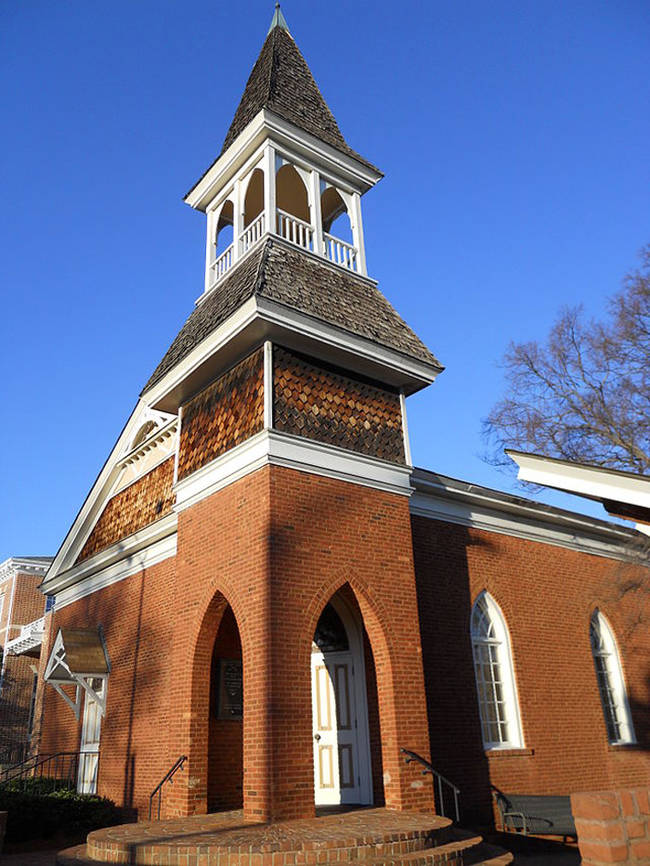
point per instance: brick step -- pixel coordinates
(488, 855)
(224, 840)
(452, 853)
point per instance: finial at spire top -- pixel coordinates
(278, 20)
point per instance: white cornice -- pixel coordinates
(481, 508)
(267, 124)
(353, 345)
(260, 319)
(37, 565)
(269, 447)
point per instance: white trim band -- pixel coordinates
(268, 447)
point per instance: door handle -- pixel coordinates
(317, 737)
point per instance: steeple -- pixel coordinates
(285, 245)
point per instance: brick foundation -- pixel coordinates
(613, 826)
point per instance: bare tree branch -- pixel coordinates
(583, 395)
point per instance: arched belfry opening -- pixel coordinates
(226, 715)
(335, 215)
(254, 198)
(345, 717)
(293, 220)
(224, 232)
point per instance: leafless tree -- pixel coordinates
(583, 395)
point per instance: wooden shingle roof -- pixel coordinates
(290, 277)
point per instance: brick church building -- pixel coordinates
(261, 581)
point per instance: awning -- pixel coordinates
(79, 658)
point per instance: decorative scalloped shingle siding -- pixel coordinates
(324, 405)
(223, 415)
(141, 503)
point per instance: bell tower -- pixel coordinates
(284, 171)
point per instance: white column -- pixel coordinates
(268, 385)
(178, 444)
(237, 219)
(269, 189)
(316, 214)
(405, 430)
(210, 250)
(357, 233)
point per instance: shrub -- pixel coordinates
(37, 814)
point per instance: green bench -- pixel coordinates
(535, 814)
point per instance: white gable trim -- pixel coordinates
(99, 494)
(139, 550)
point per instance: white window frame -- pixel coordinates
(609, 678)
(491, 647)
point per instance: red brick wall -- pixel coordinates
(138, 505)
(223, 415)
(547, 595)
(277, 545)
(318, 402)
(613, 826)
(137, 615)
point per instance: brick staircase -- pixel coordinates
(371, 837)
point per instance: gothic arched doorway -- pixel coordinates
(225, 733)
(342, 761)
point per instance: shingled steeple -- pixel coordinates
(285, 257)
(281, 81)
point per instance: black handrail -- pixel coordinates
(168, 777)
(440, 779)
(60, 769)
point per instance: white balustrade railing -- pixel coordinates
(292, 229)
(295, 230)
(251, 234)
(29, 637)
(219, 267)
(340, 252)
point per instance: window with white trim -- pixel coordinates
(495, 681)
(611, 686)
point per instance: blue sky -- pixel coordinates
(514, 138)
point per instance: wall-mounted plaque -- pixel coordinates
(231, 691)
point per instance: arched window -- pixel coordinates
(610, 681)
(495, 681)
(147, 428)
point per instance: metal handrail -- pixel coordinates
(59, 767)
(440, 779)
(168, 777)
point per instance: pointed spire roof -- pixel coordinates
(278, 20)
(282, 82)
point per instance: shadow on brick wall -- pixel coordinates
(445, 605)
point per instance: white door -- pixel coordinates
(91, 731)
(338, 773)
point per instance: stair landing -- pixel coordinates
(378, 837)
